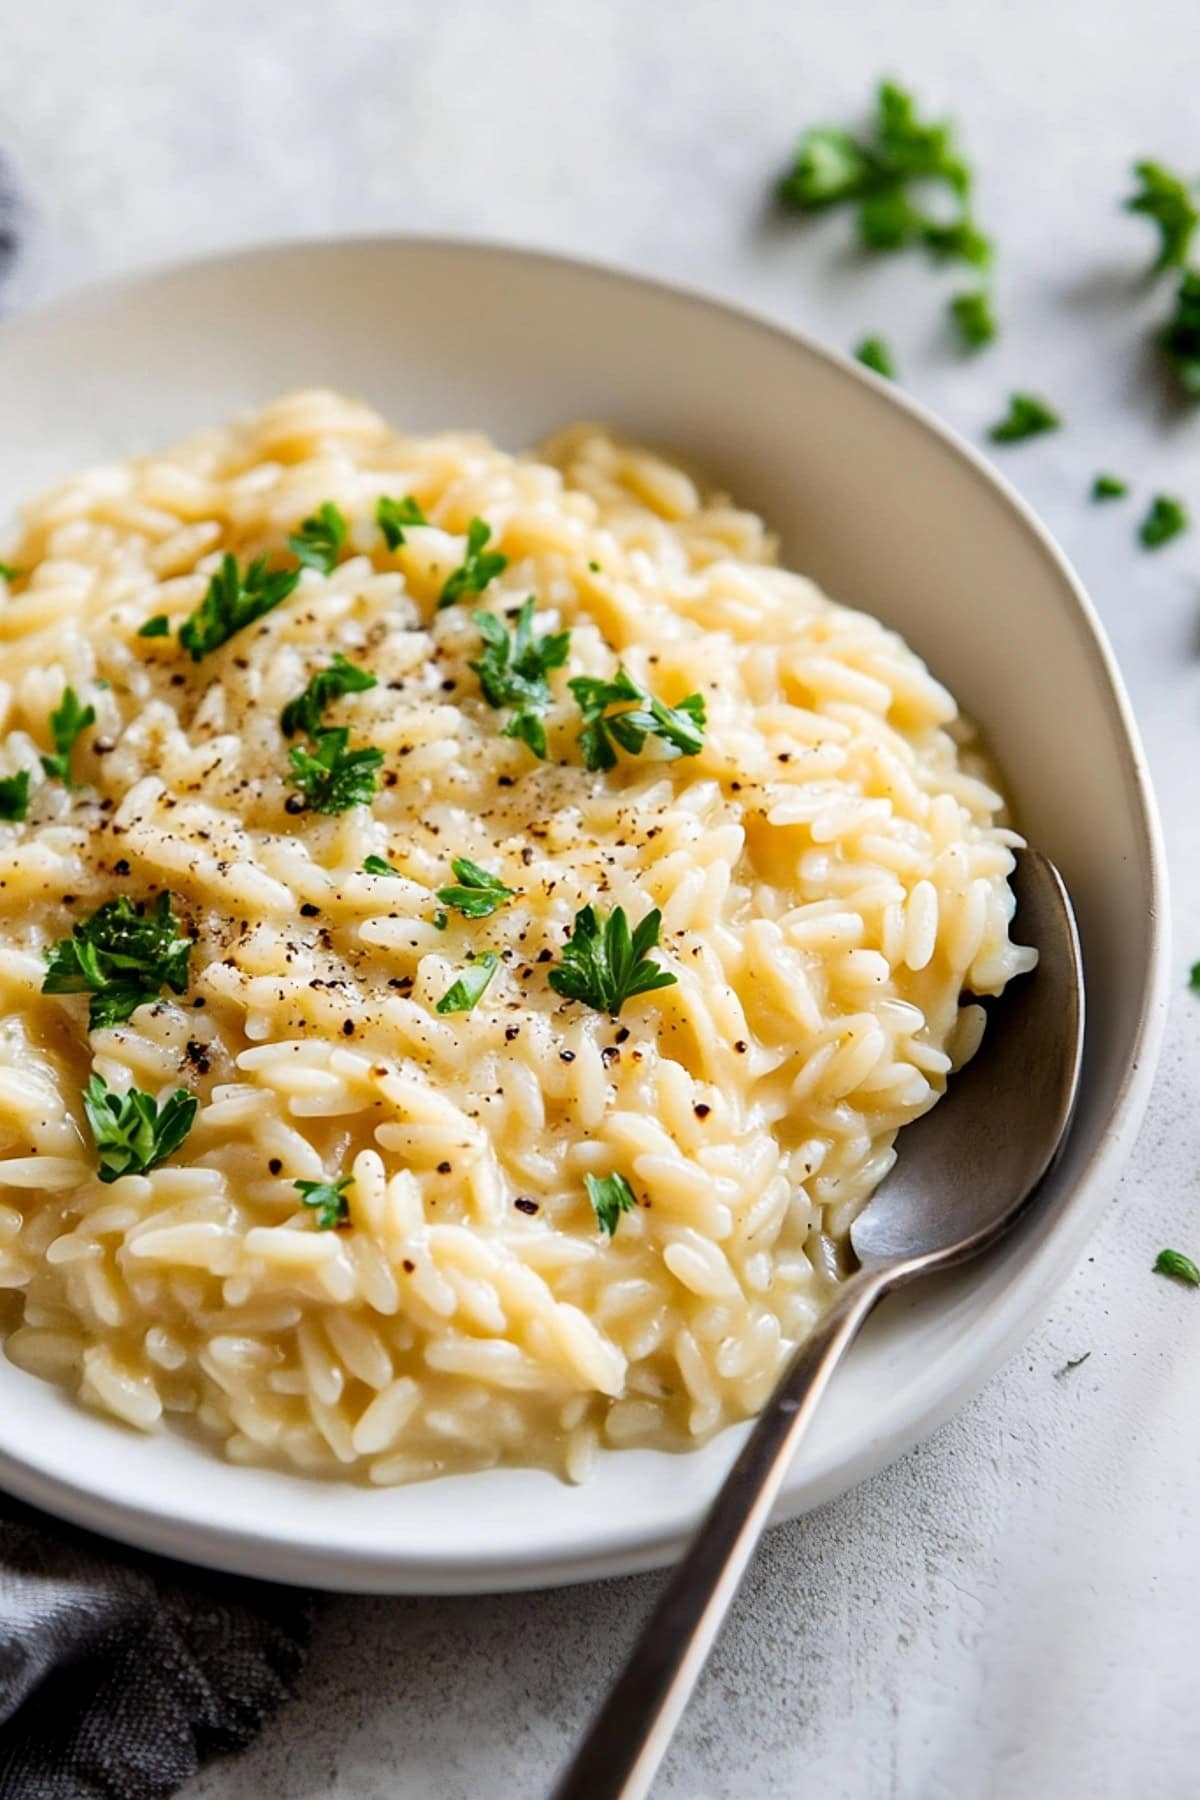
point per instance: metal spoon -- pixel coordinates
(965, 1172)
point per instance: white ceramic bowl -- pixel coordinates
(889, 513)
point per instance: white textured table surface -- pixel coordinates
(1014, 1610)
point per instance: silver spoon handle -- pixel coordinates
(629, 1735)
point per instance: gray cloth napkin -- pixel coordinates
(120, 1674)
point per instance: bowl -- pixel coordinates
(889, 512)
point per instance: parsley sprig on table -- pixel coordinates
(1170, 201)
(392, 516)
(1027, 417)
(604, 965)
(327, 1199)
(1180, 337)
(123, 955)
(307, 711)
(463, 994)
(331, 776)
(1109, 487)
(875, 353)
(1175, 1263)
(478, 567)
(973, 318)
(67, 721)
(479, 892)
(132, 1133)
(14, 797)
(680, 727)
(513, 671)
(610, 1195)
(235, 599)
(318, 543)
(1167, 518)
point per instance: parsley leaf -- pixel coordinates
(470, 986)
(305, 713)
(478, 567)
(392, 516)
(973, 318)
(328, 1200)
(8, 573)
(333, 777)
(1174, 1262)
(1109, 487)
(681, 727)
(1027, 417)
(830, 167)
(375, 865)
(1181, 336)
(123, 955)
(604, 966)
(512, 672)
(610, 1195)
(320, 538)
(66, 722)
(14, 797)
(1171, 203)
(233, 601)
(1167, 518)
(1194, 978)
(131, 1132)
(158, 626)
(874, 353)
(480, 892)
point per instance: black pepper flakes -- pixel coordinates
(525, 1204)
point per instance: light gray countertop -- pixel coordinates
(1014, 1609)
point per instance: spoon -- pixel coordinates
(965, 1172)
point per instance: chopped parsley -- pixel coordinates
(233, 601)
(605, 965)
(1170, 201)
(66, 722)
(1181, 336)
(14, 797)
(327, 1199)
(1176, 1264)
(681, 727)
(123, 955)
(973, 318)
(610, 1195)
(1109, 487)
(1166, 519)
(479, 892)
(875, 354)
(1027, 417)
(333, 777)
(392, 516)
(478, 567)
(376, 865)
(470, 986)
(320, 538)
(513, 671)
(132, 1133)
(158, 626)
(7, 572)
(1194, 978)
(306, 712)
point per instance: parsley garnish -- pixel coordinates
(328, 1200)
(1181, 337)
(681, 727)
(320, 538)
(131, 1132)
(375, 865)
(124, 955)
(66, 722)
(469, 987)
(1109, 487)
(14, 797)
(604, 966)
(478, 567)
(8, 573)
(392, 516)
(333, 777)
(306, 712)
(1171, 203)
(1174, 1262)
(610, 1195)
(1194, 978)
(875, 354)
(973, 318)
(1027, 417)
(512, 672)
(234, 601)
(158, 626)
(479, 893)
(1167, 518)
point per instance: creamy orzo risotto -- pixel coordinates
(471, 928)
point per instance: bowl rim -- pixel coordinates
(623, 1549)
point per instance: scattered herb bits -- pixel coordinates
(1178, 1266)
(1109, 487)
(67, 721)
(327, 1200)
(377, 865)
(514, 671)
(478, 567)
(393, 516)
(320, 539)
(1194, 978)
(14, 797)
(156, 627)
(1166, 519)
(1181, 336)
(874, 353)
(307, 711)
(604, 965)
(680, 727)
(131, 1131)
(1170, 202)
(471, 984)
(610, 1195)
(331, 776)
(973, 318)
(124, 955)
(235, 599)
(479, 893)
(8, 573)
(1027, 417)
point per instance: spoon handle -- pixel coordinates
(629, 1735)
